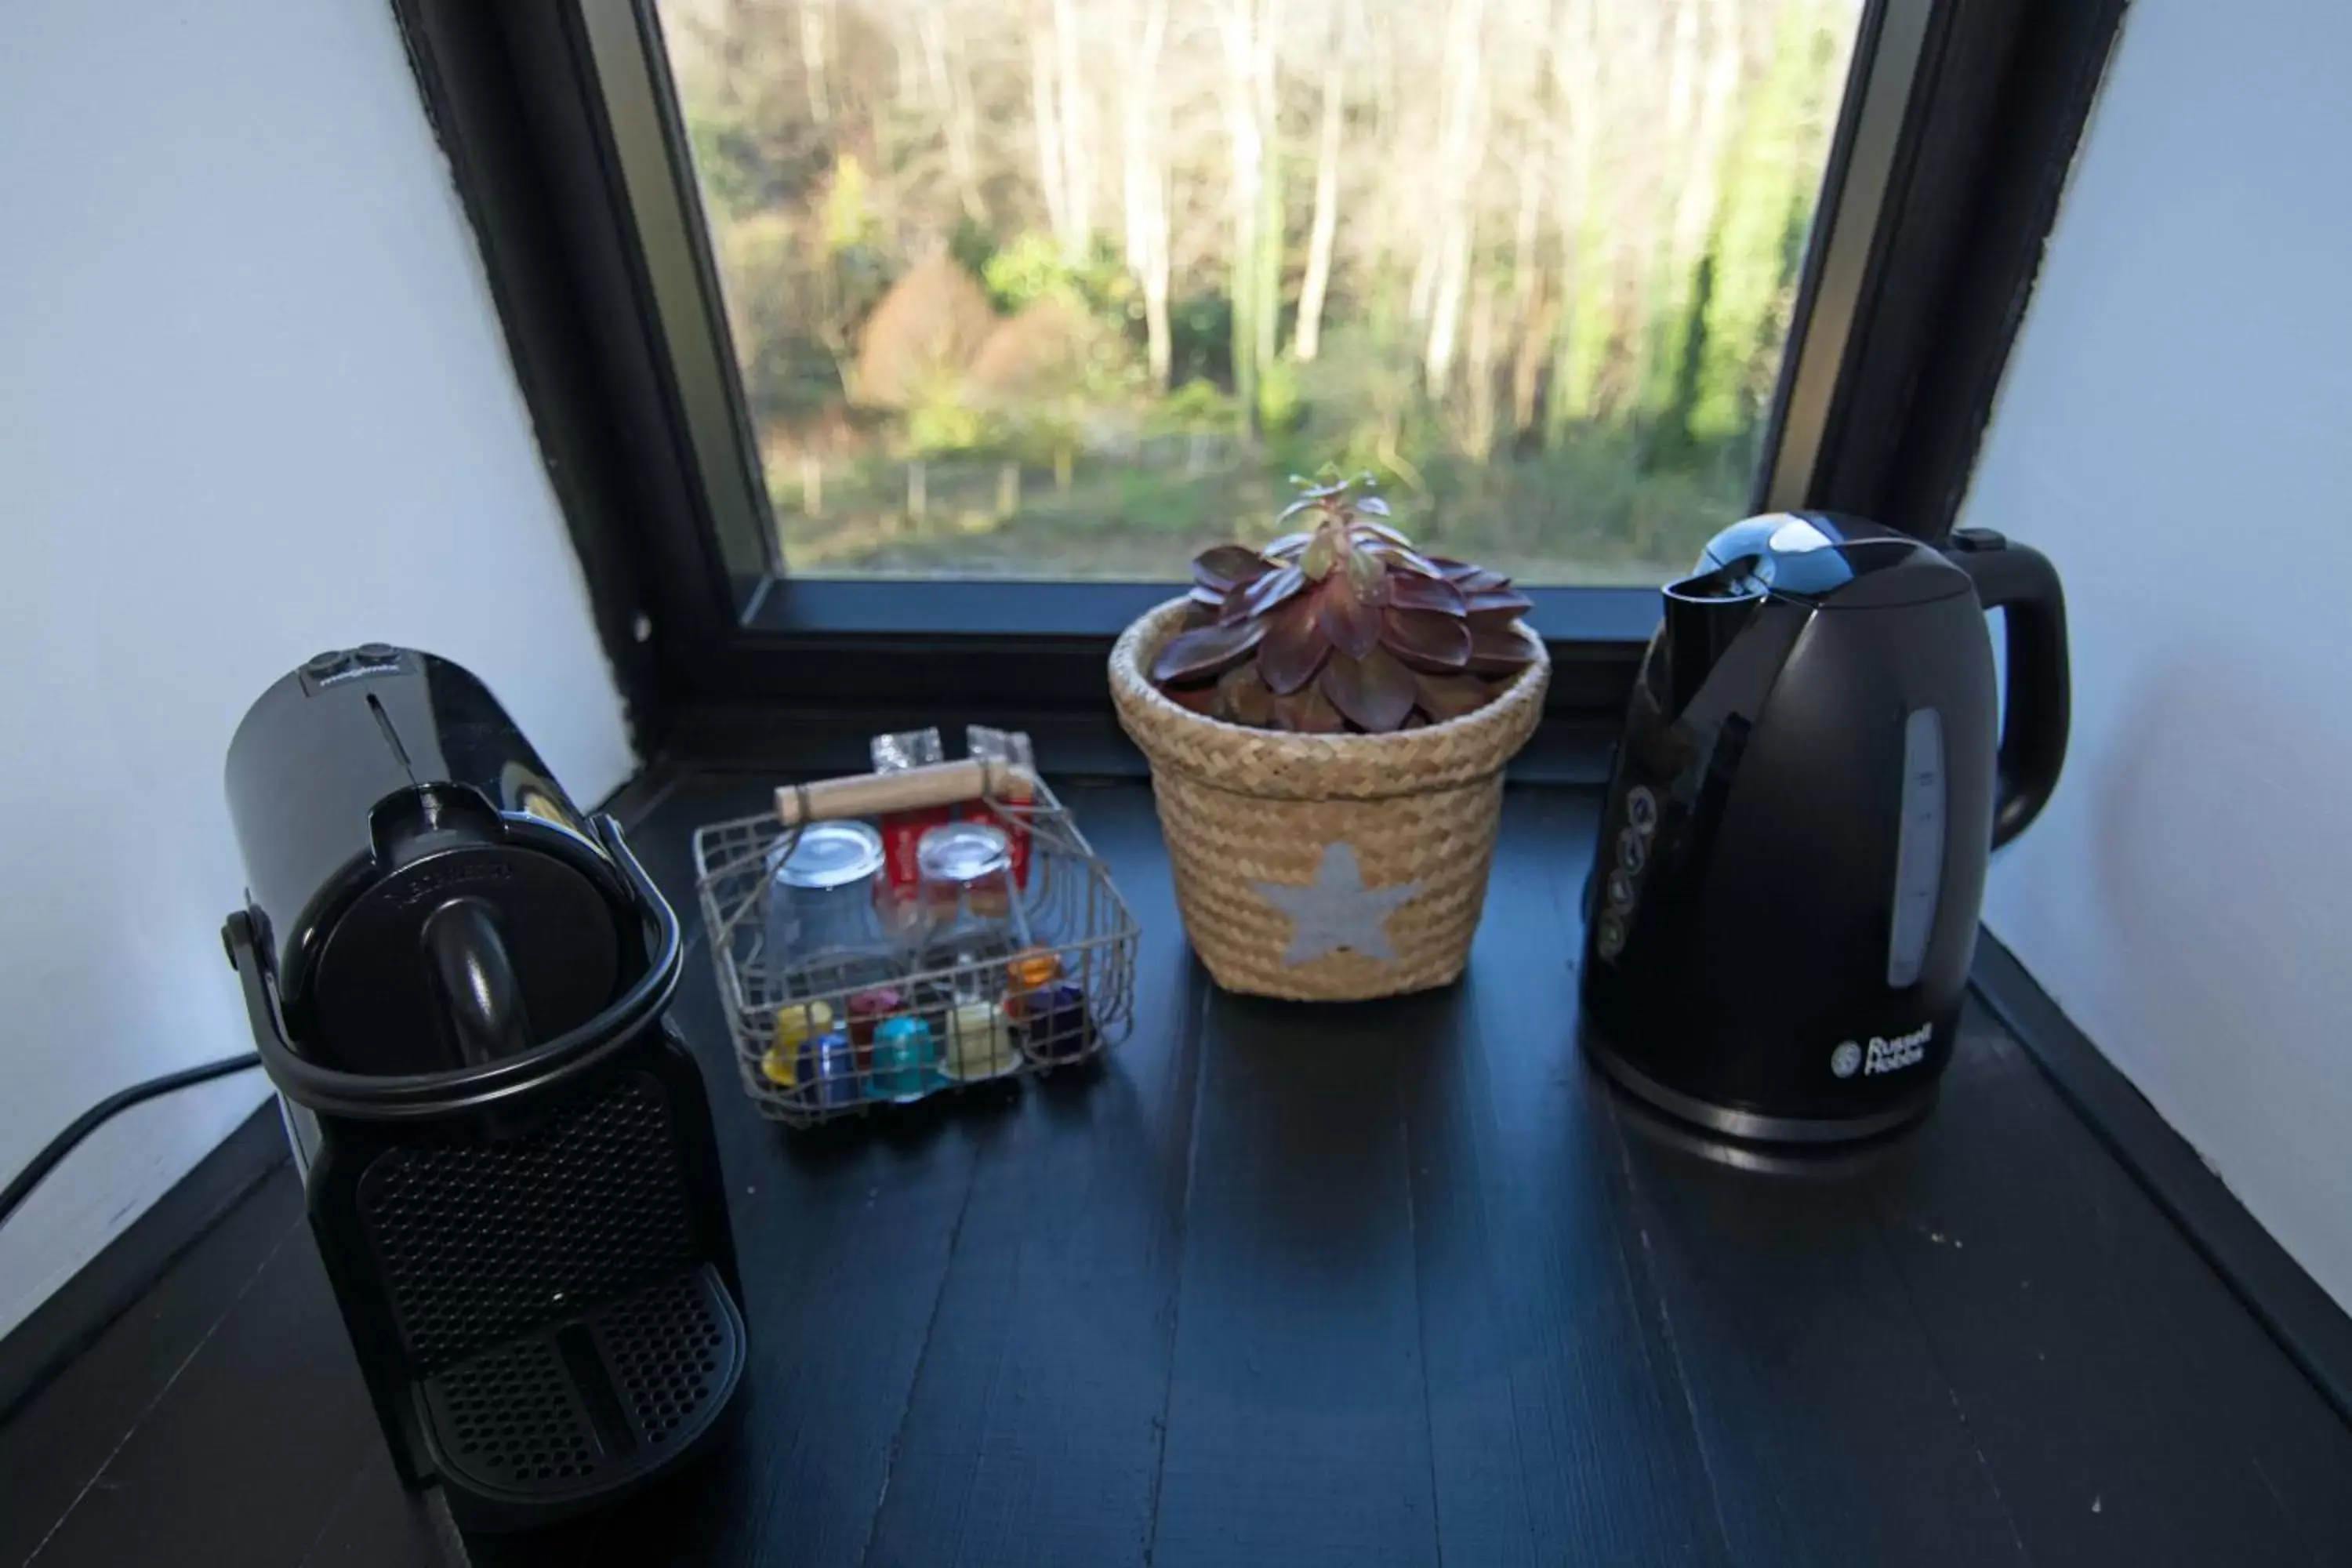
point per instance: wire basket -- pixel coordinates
(1052, 985)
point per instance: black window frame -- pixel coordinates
(1958, 123)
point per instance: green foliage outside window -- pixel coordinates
(1068, 290)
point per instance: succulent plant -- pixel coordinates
(1343, 625)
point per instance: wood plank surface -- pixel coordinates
(247, 1453)
(1561, 1418)
(1401, 1283)
(2128, 1405)
(1033, 1431)
(56, 1448)
(1298, 1416)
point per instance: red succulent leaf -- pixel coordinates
(1206, 650)
(1426, 638)
(1295, 646)
(1343, 625)
(1201, 700)
(1470, 579)
(1404, 557)
(1444, 697)
(1487, 601)
(1419, 591)
(1255, 598)
(1242, 698)
(1228, 566)
(1307, 712)
(1501, 650)
(1375, 691)
(1274, 587)
(1353, 626)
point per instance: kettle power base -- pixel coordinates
(1733, 1122)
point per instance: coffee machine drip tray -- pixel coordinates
(583, 1407)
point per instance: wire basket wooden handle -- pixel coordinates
(906, 789)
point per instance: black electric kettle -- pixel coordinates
(1815, 769)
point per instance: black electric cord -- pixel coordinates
(90, 1121)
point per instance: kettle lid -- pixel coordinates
(1832, 561)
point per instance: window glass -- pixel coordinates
(1068, 289)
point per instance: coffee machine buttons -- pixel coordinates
(373, 658)
(1620, 891)
(1642, 810)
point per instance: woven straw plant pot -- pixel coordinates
(1271, 834)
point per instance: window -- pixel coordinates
(1068, 288)
(899, 351)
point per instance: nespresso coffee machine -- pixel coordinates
(457, 987)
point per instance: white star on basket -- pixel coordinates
(1337, 911)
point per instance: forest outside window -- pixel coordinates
(1066, 288)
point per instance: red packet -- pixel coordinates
(1010, 749)
(902, 831)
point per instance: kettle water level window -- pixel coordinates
(1067, 289)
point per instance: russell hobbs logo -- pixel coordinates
(1884, 1055)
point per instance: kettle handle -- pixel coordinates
(2022, 583)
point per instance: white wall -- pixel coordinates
(253, 401)
(2176, 430)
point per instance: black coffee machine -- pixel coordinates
(1783, 905)
(457, 987)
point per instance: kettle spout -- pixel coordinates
(1704, 614)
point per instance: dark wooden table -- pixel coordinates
(1385, 1284)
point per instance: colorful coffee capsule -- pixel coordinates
(791, 1058)
(980, 1043)
(1055, 1026)
(1033, 968)
(838, 1073)
(1026, 971)
(904, 1054)
(867, 1010)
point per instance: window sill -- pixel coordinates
(978, 649)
